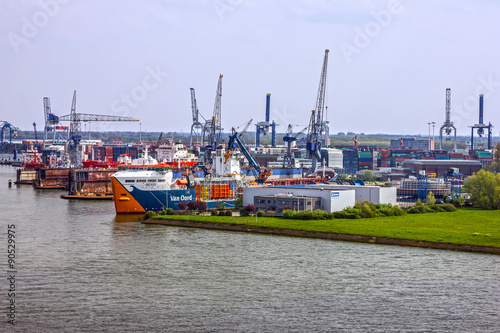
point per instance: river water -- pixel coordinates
(79, 268)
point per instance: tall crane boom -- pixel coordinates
(320, 99)
(74, 135)
(196, 127)
(214, 136)
(318, 128)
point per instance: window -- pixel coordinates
(141, 180)
(151, 180)
(129, 180)
(161, 180)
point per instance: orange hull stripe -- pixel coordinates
(123, 206)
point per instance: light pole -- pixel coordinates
(429, 147)
(140, 133)
(433, 125)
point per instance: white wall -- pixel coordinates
(331, 199)
(373, 194)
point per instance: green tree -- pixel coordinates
(368, 175)
(484, 190)
(431, 200)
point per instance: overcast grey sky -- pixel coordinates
(390, 62)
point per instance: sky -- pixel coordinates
(389, 64)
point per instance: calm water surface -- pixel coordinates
(82, 269)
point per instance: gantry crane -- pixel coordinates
(5, 125)
(448, 125)
(318, 127)
(481, 126)
(75, 120)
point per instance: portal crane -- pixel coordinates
(289, 138)
(447, 127)
(52, 125)
(5, 125)
(75, 120)
(260, 173)
(318, 128)
(262, 127)
(196, 127)
(481, 126)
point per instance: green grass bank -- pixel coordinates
(466, 229)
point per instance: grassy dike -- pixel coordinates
(466, 229)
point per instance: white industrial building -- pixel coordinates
(373, 194)
(332, 200)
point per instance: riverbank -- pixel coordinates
(465, 230)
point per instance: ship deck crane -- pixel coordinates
(75, 120)
(318, 127)
(448, 126)
(261, 173)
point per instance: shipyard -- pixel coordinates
(250, 166)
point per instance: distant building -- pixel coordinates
(410, 143)
(439, 167)
(278, 203)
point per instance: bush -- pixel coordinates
(449, 208)
(198, 205)
(149, 215)
(419, 209)
(250, 208)
(260, 213)
(182, 205)
(321, 215)
(287, 208)
(244, 212)
(397, 211)
(289, 214)
(305, 215)
(213, 212)
(269, 213)
(229, 213)
(222, 213)
(168, 211)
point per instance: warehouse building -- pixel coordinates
(439, 167)
(273, 198)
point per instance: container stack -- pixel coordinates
(350, 162)
(365, 160)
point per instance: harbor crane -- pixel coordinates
(448, 126)
(34, 130)
(318, 127)
(260, 173)
(289, 138)
(75, 119)
(5, 125)
(52, 125)
(262, 127)
(196, 127)
(213, 127)
(481, 126)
